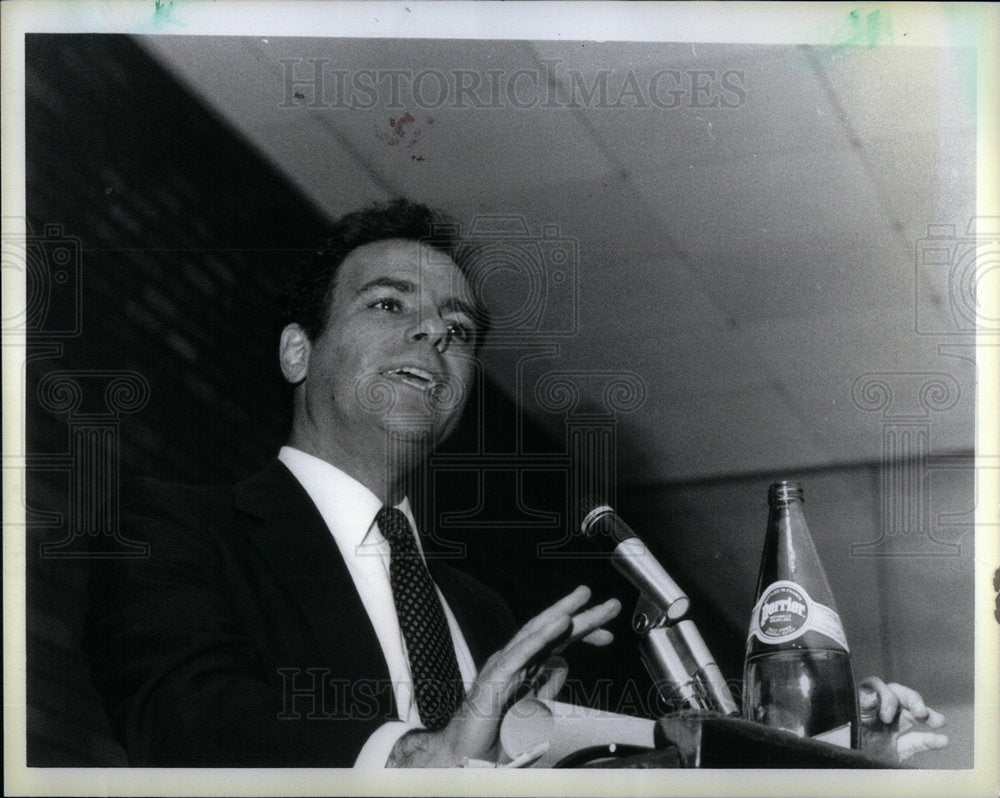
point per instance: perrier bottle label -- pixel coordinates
(785, 612)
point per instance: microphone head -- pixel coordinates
(587, 504)
(600, 524)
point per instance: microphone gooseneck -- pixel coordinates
(672, 649)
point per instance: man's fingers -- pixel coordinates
(586, 622)
(599, 637)
(934, 719)
(519, 652)
(587, 625)
(917, 742)
(566, 606)
(900, 708)
(548, 633)
(910, 699)
(583, 623)
(874, 683)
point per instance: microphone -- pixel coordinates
(633, 560)
(678, 656)
(677, 653)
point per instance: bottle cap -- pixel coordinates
(868, 706)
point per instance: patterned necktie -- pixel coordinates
(437, 682)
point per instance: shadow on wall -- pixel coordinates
(155, 237)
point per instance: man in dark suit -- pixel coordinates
(291, 620)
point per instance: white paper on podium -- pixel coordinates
(568, 728)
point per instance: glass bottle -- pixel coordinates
(797, 673)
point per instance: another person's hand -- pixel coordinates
(895, 721)
(473, 732)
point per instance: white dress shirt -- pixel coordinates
(349, 510)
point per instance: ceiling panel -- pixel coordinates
(804, 197)
(498, 150)
(235, 79)
(926, 177)
(832, 277)
(916, 90)
(752, 427)
(882, 343)
(753, 101)
(748, 262)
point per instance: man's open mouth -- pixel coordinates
(416, 377)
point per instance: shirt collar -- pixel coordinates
(348, 507)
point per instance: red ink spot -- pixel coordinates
(403, 130)
(399, 128)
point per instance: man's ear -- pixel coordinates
(294, 353)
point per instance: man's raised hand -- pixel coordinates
(474, 731)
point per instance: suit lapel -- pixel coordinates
(288, 530)
(292, 537)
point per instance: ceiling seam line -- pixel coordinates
(683, 257)
(858, 146)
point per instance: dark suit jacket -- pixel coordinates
(240, 640)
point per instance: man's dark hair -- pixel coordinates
(309, 287)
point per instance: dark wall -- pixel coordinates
(155, 239)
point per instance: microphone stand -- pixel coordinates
(680, 663)
(671, 647)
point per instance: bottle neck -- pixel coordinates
(785, 494)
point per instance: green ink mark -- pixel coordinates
(161, 14)
(866, 26)
(870, 29)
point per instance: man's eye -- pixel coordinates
(387, 303)
(459, 331)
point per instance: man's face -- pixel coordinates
(397, 351)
